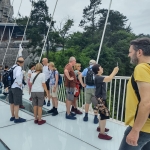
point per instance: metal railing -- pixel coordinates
(116, 94)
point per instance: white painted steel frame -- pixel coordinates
(113, 101)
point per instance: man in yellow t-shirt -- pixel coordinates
(137, 115)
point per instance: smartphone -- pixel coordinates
(117, 64)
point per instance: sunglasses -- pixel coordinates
(20, 61)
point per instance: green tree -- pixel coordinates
(64, 31)
(39, 22)
(90, 14)
(116, 21)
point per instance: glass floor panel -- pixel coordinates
(28, 105)
(3, 146)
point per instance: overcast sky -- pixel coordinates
(137, 11)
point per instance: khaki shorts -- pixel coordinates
(37, 98)
(89, 93)
(53, 94)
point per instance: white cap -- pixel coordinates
(92, 62)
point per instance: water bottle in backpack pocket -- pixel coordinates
(9, 81)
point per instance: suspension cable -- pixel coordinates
(25, 28)
(11, 33)
(6, 23)
(48, 30)
(104, 32)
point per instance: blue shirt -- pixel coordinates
(52, 77)
(84, 73)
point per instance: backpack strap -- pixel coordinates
(35, 78)
(135, 87)
(89, 68)
(136, 90)
(55, 77)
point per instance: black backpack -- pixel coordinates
(89, 77)
(7, 78)
(136, 90)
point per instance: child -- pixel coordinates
(101, 93)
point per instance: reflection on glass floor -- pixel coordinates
(57, 134)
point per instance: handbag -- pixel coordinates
(77, 90)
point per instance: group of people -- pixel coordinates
(43, 82)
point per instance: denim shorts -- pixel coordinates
(143, 142)
(70, 93)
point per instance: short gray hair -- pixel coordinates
(72, 59)
(92, 62)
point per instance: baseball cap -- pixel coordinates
(92, 62)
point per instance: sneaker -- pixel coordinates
(5, 93)
(95, 120)
(44, 103)
(77, 111)
(98, 129)
(72, 109)
(55, 113)
(36, 121)
(21, 106)
(70, 117)
(20, 120)
(48, 103)
(85, 118)
(41, 122)
(72, 114)
(104, 136)
(50, 111)
(12, 118)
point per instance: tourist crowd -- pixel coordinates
(44, 81)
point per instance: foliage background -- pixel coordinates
(83, 45)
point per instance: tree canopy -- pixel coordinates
(84, 45)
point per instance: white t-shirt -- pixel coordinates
(46, 72)
(18, 76)
(37, 86)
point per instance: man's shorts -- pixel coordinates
(37, 98)
(70, 93)
(89, 92)
(53, 94)
(15, 96)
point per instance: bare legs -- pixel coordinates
(68, 105)
(38, 113)
(14, 110)
(55, 102)
(102, 125)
